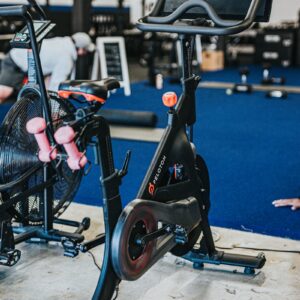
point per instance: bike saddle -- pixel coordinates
(90, 90)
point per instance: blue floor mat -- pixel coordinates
(251, 146)
(255, 75)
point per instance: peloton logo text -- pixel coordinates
(151, 188)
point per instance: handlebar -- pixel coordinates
(38, 9)
(13, 11)
(222, 27)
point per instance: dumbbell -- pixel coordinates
(277, 94)
(242, 87)
(65, 136)
(267, 79)
(37, 126)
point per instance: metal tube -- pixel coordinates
(39, 74)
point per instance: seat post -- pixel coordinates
(187, 43)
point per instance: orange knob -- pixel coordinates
(169, 99)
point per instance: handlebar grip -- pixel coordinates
(13, 11)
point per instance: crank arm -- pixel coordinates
(142, 241)
(130, 260)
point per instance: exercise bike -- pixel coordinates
(170, 212)
(36, 182)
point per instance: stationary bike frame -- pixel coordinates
(175, 146)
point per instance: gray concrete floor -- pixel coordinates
(45, 274)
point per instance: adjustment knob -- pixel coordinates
(169, 99)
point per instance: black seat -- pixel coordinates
(90, 90)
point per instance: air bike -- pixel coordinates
(170, 212)
(37, 178)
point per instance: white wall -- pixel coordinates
(285, 10)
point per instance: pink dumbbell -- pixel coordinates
(37, 126)
(65, 136)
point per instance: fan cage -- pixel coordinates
(18, 154)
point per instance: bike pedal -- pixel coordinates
(70, 247)
(71, 253)
(181, 236)
(10, 258)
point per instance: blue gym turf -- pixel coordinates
(251, 146)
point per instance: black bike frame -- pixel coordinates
(175, 141)
(174, 147)
(22, 11)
